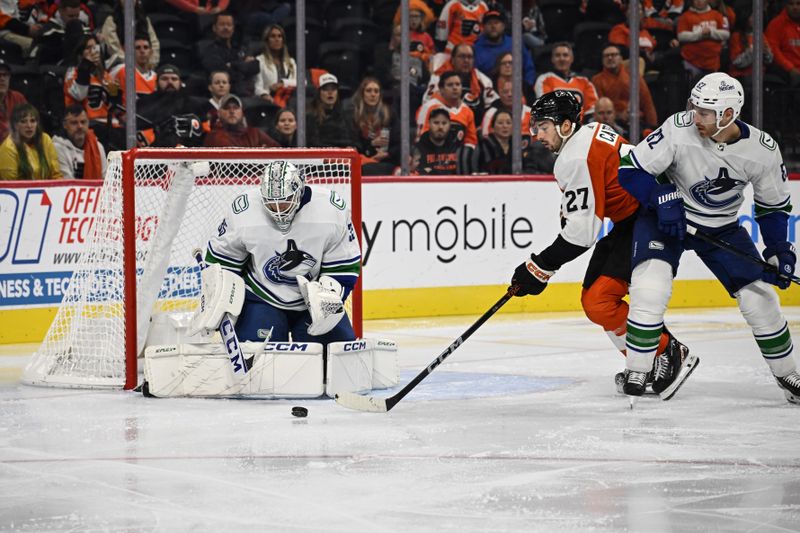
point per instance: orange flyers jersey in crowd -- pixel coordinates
(93, 97)
(661, 17)
(704, 53)
(145, 83)
(462, 120)
(525, 123)
(459, 23)
(586, 172)
(580, 86)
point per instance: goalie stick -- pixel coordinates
(728, 247)
(226, 331)
(382, 405)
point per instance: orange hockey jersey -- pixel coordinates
(702, 51)
(586, 172)
(580, 86)
(462, 120)
(459, 23)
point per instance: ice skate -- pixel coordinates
(619, 382)
(672, 368)
(791, 387)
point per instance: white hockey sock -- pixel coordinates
(650, 290)
(617, 340)
(761, 309)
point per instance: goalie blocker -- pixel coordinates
(277, 369)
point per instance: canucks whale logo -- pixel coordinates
(283, 267)
(719, 192)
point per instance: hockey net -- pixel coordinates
(153, 211)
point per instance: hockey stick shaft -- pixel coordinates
(728, 247)
(366, 403)
(227, 331)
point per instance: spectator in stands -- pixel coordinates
(604, 113)
(28, 153)
(168, 116)
(702, 32)
(113, 33)
(219, 86)
(459, 23)
(9, 98)
(562, 77)
(371, 120)
(16, 26)
(420, 17)
(277, 77)
(620, 35)
(534, 32)
(285, 128)
(614, 82)
(462, 119)
(741, 50)
(80, 154)
(478, 90)
(504, 71)
(200, 7)
(494, 150)
(48, 47)
(726, 10)
(494, 43)
(505, 89)
(783, 34)
(233, 130)
(258, 14)
(438, 147)
(387, 68)
(326, 124)
(661, 14)
(223, 54)
(145, 76)
(87, 82)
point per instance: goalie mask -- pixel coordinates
(717, 92)
(282, 188)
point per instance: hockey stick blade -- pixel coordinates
(358, 402)
(728, 247)
(371, 404)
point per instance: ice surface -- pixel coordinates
(521, 429)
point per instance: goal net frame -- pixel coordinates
(41, 369)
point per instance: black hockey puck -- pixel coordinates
(300, 412)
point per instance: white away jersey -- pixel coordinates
(586, 172)
(321, 240)
(712, 176)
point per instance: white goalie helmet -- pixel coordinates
(282, 187)
(717, 92)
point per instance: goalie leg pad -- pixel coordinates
(385, 366)
(173, 328)
(222, 292)
(349, 367)
(279, 370)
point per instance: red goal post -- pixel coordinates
(152, 212)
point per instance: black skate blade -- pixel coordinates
(689, 364)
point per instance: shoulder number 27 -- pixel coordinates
(577, 199)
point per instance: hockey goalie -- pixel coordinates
(271, 320)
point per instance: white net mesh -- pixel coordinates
(176, 212)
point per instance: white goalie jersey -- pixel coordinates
(712, 176)
(320, 241)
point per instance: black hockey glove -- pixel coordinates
(530, 277)
(783, 257)
(668, 205)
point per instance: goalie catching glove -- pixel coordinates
(324, 301)
(222, 293)
(530, 277)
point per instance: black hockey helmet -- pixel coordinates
(558, 106)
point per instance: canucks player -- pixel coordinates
(586, 171)
(295, 246)
(704, 158)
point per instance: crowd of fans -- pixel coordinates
(235, 82)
